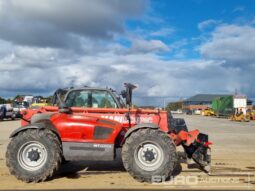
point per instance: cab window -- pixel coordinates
(78, 99)
(102, 99)
(90, 98)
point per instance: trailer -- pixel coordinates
(223, 106)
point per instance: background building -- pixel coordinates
(204, 101)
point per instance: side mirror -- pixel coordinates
(123, 93)
(63, 108)
(56, 96)
(128, 93)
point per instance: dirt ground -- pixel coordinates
(233, 163)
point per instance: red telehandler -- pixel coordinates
(90, 124)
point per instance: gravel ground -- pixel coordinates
(233, 164)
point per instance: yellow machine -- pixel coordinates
(240, 117)
(37, 105)
(208, 112)
(251, 114)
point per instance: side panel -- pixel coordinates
(138, 116)
(88, 151)
(79, 127)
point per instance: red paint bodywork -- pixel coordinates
(78, 126)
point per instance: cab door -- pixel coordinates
(102, 99)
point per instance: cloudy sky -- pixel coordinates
(171, 49)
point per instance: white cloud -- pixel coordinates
(179, 44)
(146, 46)
(34, 70)
(163, 32)
(207, 23)
(154, 76)
(232, 43)
(60, 23)
(34, 58)
(253, 21)
(238, 9)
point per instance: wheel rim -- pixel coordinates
(32, 156)
(149, 156)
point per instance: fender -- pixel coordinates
(42, 124)
(41, 116)
(137, 127)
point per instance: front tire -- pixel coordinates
(34, 155)
(149, 155)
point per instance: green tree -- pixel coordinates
(173, 106)
(18, 97)
(2, 100)
(49, 99)
(9, 100)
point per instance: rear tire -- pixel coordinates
(149, 155)
(34, 155)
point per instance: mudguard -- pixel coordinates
(43, 124)
(139, 126)
(41, 116)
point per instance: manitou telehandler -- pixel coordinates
(90, 124)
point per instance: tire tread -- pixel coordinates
(35, 134)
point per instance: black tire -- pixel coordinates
(137, 141)
(51, 146)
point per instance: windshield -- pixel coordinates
(62, 93)
(23, 104)
(91, 99)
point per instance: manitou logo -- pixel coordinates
(123, 119)
(120, 119)
(102, 145)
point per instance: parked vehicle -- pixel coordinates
(6, 112)
(178, 111)
(189, 112)
(208, 112)
(240, 117)
(18, 107)
(28, 99)
(38, 101)
(223, 106)
(251, 114)
(38, 105)
(198, 112)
